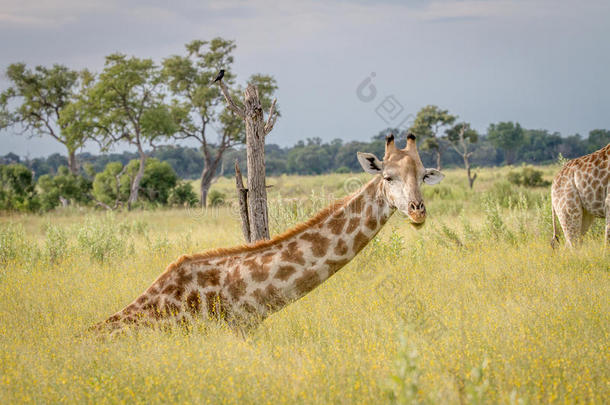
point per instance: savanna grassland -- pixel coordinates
(475, 307)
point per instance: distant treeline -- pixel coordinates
(315, 157)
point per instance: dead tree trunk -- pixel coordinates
(255, 153)
(256, 130)
(242, 195)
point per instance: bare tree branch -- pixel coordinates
(234, 107)
(271, 118)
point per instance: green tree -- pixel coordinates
(158, 180)
(196, 104)
(461, 136)
(310, 158)
(182, 195)
(507, 136)
(539, 146)
(186, 161)
(107, 186)
(126, 105)
(17, 188)
(63, 188)
(40, 98)
(345, 159)
(112, 187)
(598, 138)
(429, 124)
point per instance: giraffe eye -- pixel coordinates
(387, 178)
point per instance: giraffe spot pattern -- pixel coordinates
(183, 276)
(341, 248)
(336, 224)
(284, 272)
(319, 243)
(235, 284)
(353, 224)
(258, 272)
(216, 304)
(360, 241)
(218, 285)
(371, 221)
(209, 278)
(269, 298)
(293, 254)
(579, 191)
(307, 282)
(336, 265)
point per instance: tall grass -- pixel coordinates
(473, 308)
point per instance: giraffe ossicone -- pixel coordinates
(580, 193)
(243, 285)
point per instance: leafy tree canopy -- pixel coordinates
(43, 97)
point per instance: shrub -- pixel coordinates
(447, 237)
(105, 187)
(391, 249)
(343, 169)
(103, 238)
(502, 192)
(159, 244)
(527, 177)
(285, 213)
(56, 243)
(404, 382)
(216, 198)
(182, 194)
(139, 227)
(495, 228)
(157, 182)
(17, 188)
(441, 192)
(63, 185)
(159, 178)
(12, 243)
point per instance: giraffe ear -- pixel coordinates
(370, 163)
(433, 176)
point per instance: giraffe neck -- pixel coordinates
(264, 280)
(318, 252)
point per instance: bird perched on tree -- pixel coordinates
(219, 76)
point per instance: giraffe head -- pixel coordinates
(403, 174)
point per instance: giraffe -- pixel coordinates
(580, 193)
(243, 285)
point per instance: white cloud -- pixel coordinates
(41, 13)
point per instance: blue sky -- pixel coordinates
(348, 69)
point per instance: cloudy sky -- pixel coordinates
(347, 69)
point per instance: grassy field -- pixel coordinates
(473, 308)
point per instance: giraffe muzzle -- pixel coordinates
(417, 213)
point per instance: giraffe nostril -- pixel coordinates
(412, 206)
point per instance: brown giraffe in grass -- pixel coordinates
(243, 285)
(580, 193)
